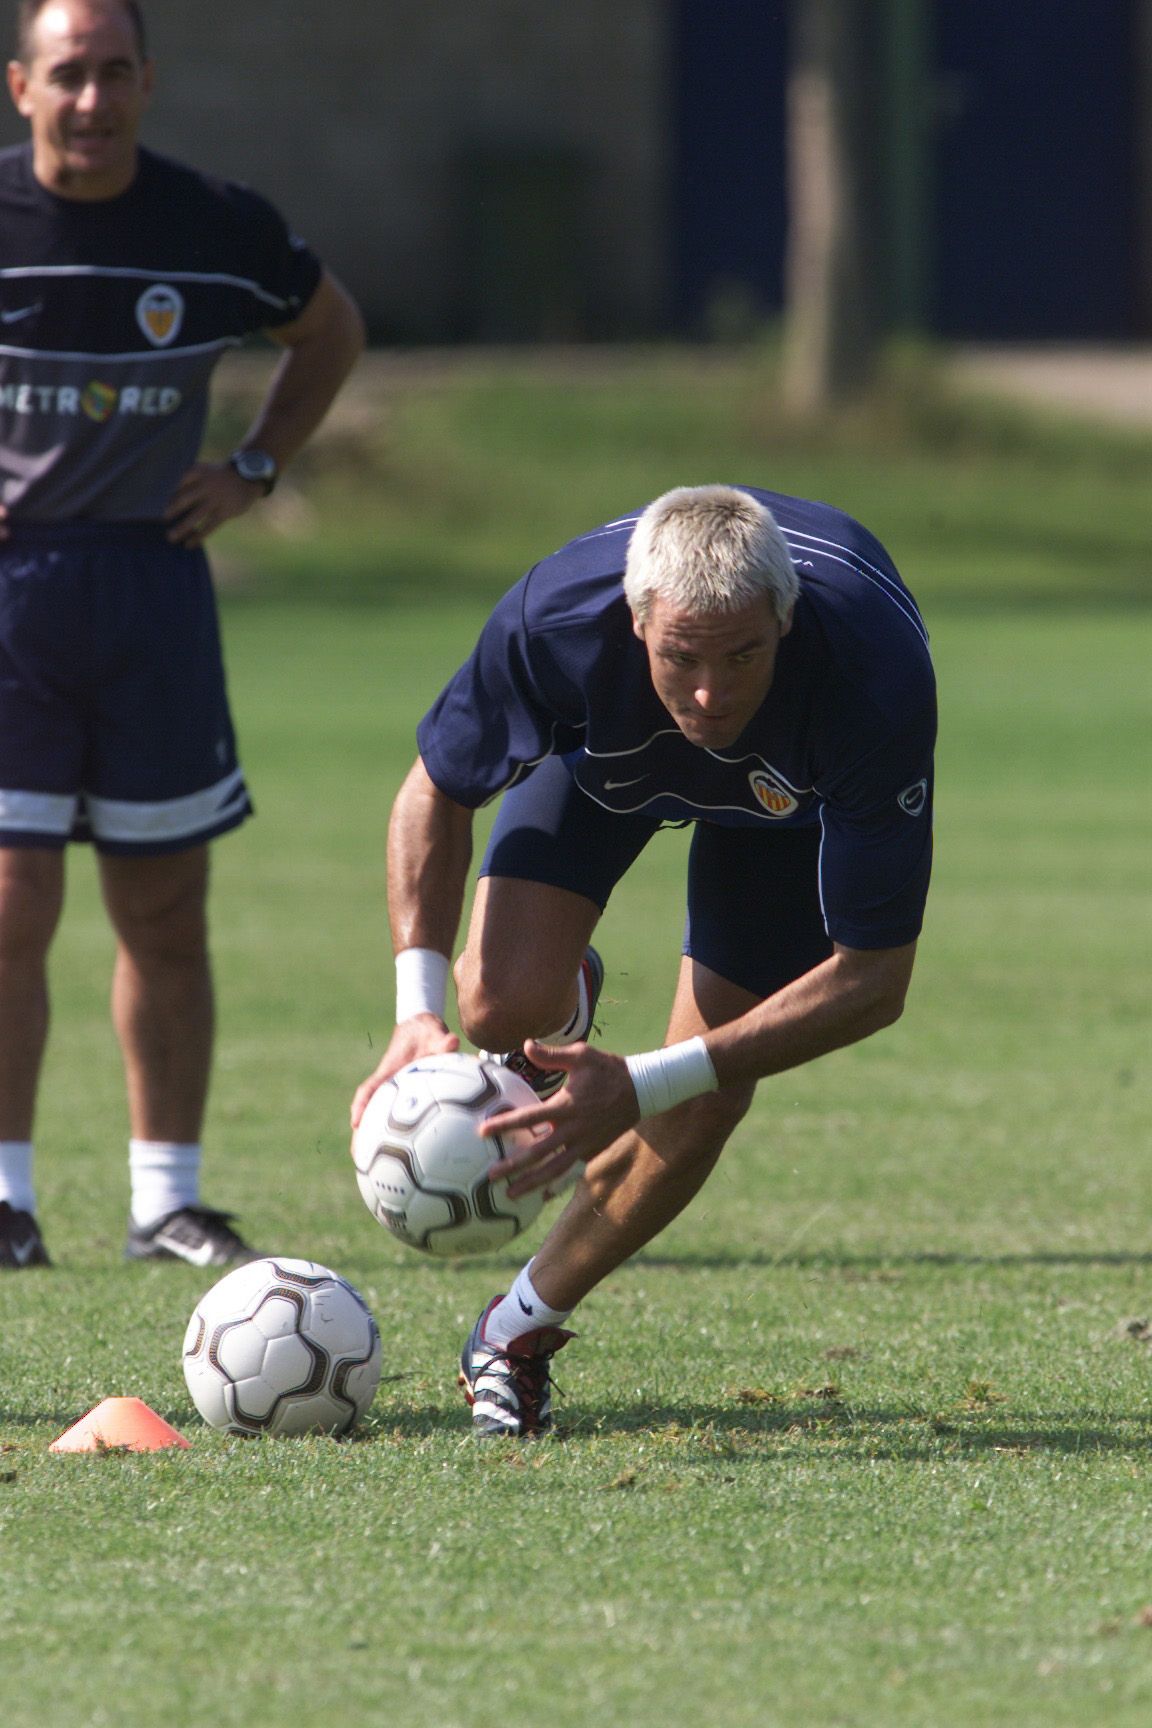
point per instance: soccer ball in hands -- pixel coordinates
(282, 1347)
(421, 1165)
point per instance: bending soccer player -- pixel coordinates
(743, 661)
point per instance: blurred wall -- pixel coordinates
(1144, 174)
(1036, 170)
(490, 170)
(508, 170)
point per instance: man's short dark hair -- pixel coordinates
(28, 11)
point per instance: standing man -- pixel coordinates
(732, 658)
(123, 279)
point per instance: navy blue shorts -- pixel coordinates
(754, 912)
(114, 720)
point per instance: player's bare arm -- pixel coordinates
(320, 348)
(429, 852)
(853, 994)
(856, 992)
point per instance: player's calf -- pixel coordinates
(579, 1027)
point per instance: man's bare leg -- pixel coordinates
(517, 976)
(635, 1188)
(626, 1197)
(31, 896)
(162, 1002)
(163, 1009)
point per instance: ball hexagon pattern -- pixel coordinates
(280, 1347)
(421, 1165)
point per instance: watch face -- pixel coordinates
(255, 465)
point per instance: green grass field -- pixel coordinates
(864, 1439)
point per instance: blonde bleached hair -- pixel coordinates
(708, 549)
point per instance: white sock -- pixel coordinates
(16, 1175)
(165, 1176)
(522, 1310)
(577, 1027)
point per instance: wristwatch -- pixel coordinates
(257, 466)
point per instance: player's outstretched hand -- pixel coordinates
(596, 1104)
(422, 1035)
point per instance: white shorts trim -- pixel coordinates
(37, 812)
(127, 822)
(131, 823)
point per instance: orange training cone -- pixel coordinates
(126, 1423)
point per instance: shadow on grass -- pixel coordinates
(864, 1264)
(53, 1423)
(793, 1428)
(775, 1428)
(803, 1428)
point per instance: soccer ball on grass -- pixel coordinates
(282, 1347)
(421, 1165)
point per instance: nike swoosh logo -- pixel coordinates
(14, 317)
(201, 1256)
(526, 1307)
(22, 1252)
(615, 785)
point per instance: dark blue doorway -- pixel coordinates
(1036, 170)
(1032, 171)
(728, 69)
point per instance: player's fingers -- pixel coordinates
(367, 1089)
(542, 1175)
(564, 1056)
(425, 1040)
(360, 1102)
(532, 1116)
(547, 1140)
(189, 538)
(189, 514)
(187, 500)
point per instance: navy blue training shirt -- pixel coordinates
(113, 314)
(844, 737)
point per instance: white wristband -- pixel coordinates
(663, 1078)
(421, 983)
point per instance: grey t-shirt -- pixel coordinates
(113, 315)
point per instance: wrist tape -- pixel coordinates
(666, 1077)
(421, 983)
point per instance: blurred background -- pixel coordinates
(622, 169)
(604, 248)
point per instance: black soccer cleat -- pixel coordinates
(510, 1386)
(196, 1234)
(21, 1243)
(545, 1081)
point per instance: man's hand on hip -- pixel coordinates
(208, 495)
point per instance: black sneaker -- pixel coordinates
(21, 1243)
(545, 1081)
(510, 1386)
(196, 1234)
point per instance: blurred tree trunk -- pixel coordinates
(832, 313)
